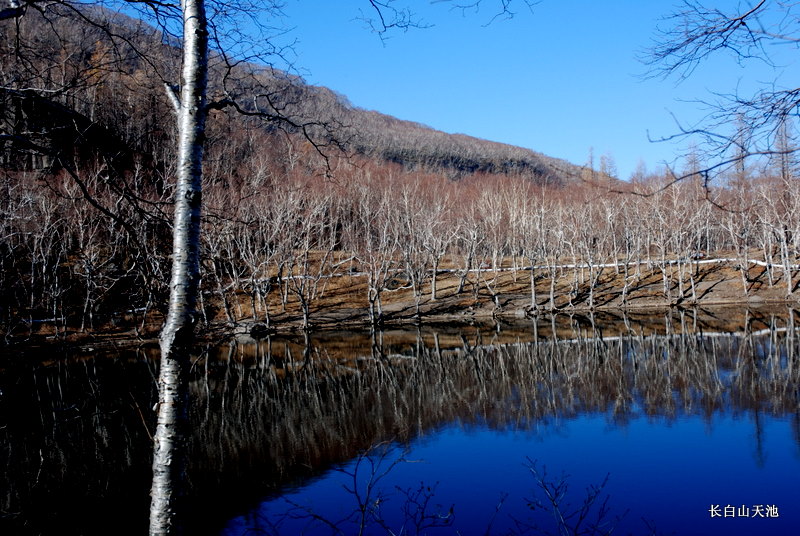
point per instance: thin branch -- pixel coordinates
(174, 98)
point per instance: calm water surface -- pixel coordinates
(669, 475)
(432, 431)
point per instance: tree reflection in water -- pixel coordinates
(288, 417)
(273, 413)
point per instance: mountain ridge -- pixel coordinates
(105, 71)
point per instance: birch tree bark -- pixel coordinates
(177, 335)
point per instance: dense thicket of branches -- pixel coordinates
(286, 210)
(282, 231)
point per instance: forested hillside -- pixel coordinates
(104, 99)
(320, 195)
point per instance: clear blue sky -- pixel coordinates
(559, 80)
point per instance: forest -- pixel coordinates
(333, 199)
(211, 267)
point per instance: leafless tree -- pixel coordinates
(410, 238)
(374, 244)
(744, 32)
(438, 233)
(311, 259)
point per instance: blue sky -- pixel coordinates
(559, 80)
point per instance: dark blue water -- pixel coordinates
(670, 472)
(665, 423)
(677, 434)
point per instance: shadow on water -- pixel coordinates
(273, 414)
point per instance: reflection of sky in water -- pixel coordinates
(669, 472)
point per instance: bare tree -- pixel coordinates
(374, 243)
(177, 336)
(438, 234)
(745, 32)
(237, 75)
(311, 258)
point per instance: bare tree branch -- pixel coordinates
(737, 128)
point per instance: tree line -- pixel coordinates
(277, 238)
(302, 189)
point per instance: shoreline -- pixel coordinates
(486, 296)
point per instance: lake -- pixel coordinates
(686, 422)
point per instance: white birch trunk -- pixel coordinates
(177, 335)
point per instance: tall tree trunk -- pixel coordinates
(177, 336)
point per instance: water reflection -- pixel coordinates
(74, 442)
(279, 412)
(270, 415)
